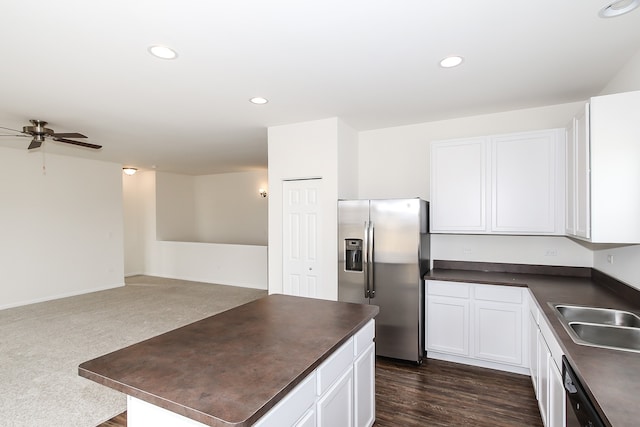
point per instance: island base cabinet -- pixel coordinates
(340, 392)
(365, 388)
(143, 414)
(335, 407)
(308, 420)
(295, 408)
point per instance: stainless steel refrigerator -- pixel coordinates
(383, 255)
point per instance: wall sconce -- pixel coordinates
(262, 192)
(129, 171)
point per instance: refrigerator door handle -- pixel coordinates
(371, 279)
(365, 264)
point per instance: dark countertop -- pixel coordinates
(231, 368)
(611, 377)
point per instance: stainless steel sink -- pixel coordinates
(603, 316)
(600, 327)
(616, 337)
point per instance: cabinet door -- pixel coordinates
(498, 332)
(335, 407)
(459, 186)
(557, 406)
(615, 156)
(524, 183)
(570, 181)
(365, 387)
(533, 353)
(544, 358)
(582, 202)
(308, 419)
(448, 325)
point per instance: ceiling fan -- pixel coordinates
(38, 132)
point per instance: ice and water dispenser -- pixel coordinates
(353, 254)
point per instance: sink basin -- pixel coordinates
(600, 327)
(616, 337)
(604, 316)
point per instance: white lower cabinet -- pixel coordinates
(365, 387)
(546, 373)
(477, 324)
(448, 325)
(308, 419)
(557, 406)
(335, 407)
(543, 378)
(498, 335)
(533, 352)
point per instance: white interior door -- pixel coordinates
(301, 228)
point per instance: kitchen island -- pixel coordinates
(279, 360)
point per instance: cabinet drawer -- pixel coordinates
(364, 337)
(448, 289)
(499, 293)
(334, 366)
(293, 406)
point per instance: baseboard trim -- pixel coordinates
(59, 296)
(479, 363)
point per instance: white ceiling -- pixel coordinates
(83, 66)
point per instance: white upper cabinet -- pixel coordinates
(603, 192)
(459, 186)
(500, 184)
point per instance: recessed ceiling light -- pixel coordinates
(163, 52)
(258, 100)
(451, 61)
(619, 7)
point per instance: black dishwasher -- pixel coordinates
(580, 411)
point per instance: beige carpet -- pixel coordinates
(41, 345)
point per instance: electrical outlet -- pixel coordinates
(610, 259)
(551, 252)
(466, 250)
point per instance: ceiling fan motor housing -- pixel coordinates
(38, 128)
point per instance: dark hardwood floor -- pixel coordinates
(441, 393)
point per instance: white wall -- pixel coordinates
(626, 259)
(175, 207)
(235, 265)
(228, 208)
(627, 79)
(347, 162)
(306, 150)
(394, 162)
(222, 208)
(134, 226)
(61, 232)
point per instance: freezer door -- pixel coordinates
(353, 220)
(397, 287)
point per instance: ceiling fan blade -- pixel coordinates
(18, 136)
(82, 144)
(12, 130)
(68, 135)
(34, 144)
